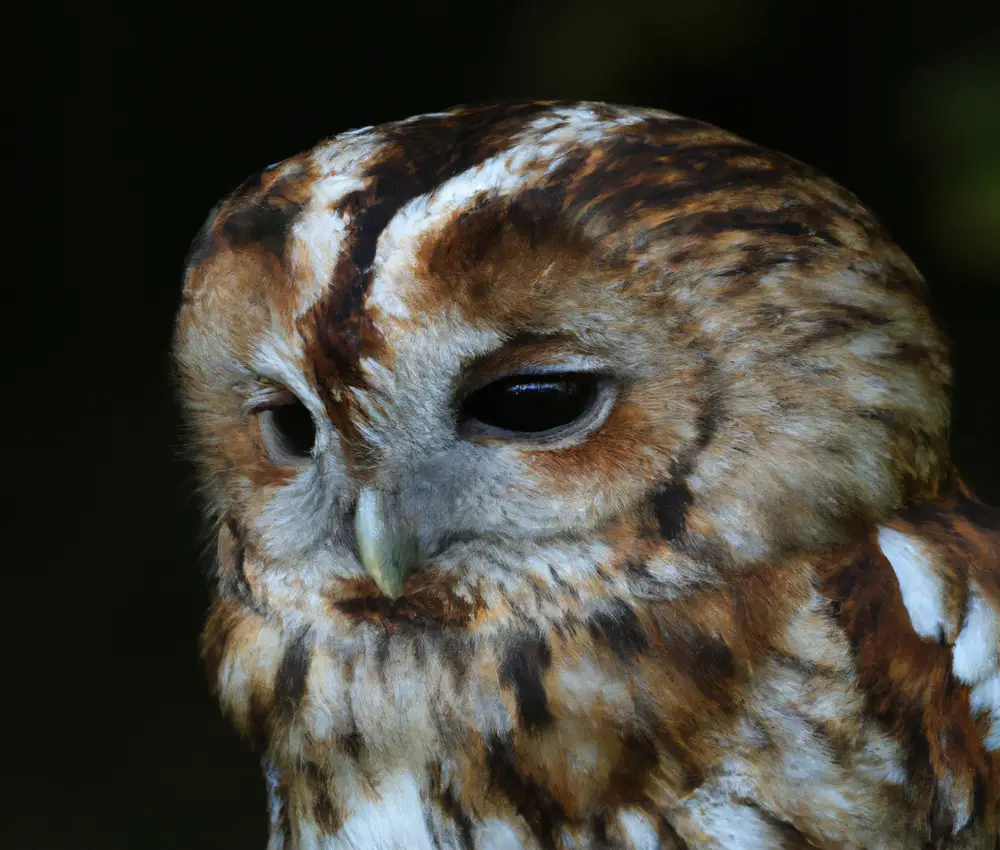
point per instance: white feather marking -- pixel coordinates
(326, 712)
(639, 829)
(975, 653)
(985, 697)
(495, 834)
(275, 805)
(581, 125)
(956, 799)
(581, 685)
(347, 154)
(317, 239)
(728, 823)
(391, 820)
(578, 125)
(332, 189)
(922, 588)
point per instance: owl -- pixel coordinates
(580, 480)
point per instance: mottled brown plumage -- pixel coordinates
(738, 598)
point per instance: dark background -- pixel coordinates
(145, 115)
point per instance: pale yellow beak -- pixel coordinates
(389, 550)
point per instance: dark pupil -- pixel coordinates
(294, 425)
(530, 403)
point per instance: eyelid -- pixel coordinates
(572, 364)
(267, 398)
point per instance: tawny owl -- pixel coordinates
(581, 480)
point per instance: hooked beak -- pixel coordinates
(389, 550)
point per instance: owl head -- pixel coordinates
(498, 350)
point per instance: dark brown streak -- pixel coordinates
(704, 169)
(534, 217)
(290, 684)
(325, 814)
(522, 668)
(712, 665)
(861, 314)
(670, 504)
(847, 319)
(908, 352)
(828, 328)
(260, 723)
(745, 219)
(619, 629)
(453, 809)
(671, 840)
(534, 803)
(238, 579)
(425, 605)
(267, 221)
(628, 781)
(710, 415)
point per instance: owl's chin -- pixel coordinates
(426, 602)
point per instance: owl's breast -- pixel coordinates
(430, 721)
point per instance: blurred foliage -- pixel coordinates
(950, 118)
(594, 50)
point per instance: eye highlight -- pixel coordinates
(288, 428)
(534, 406)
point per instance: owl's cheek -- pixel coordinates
(633, 453)
(475, 491)
(306, 510)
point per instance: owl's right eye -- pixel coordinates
(536, 407)
(288, 429)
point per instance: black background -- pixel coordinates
(144, 115)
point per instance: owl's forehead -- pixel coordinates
(477, 214)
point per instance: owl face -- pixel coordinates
(557, 455)
(429, 351)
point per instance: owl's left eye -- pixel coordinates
(288, 429)
(535, 406)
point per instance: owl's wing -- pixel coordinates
(920, 603)
(946, 558)
(945, 555)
